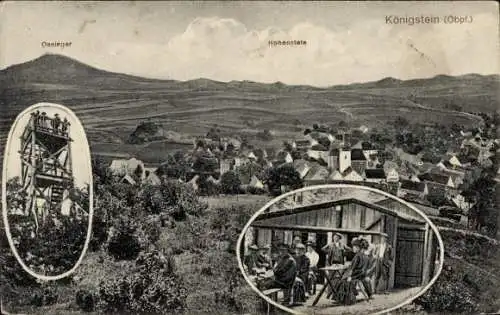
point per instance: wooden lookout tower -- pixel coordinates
(46, 166)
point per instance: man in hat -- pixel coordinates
(359, 264)
(313, 266)
(56, 122)
(250, 260)
(36, 117)
(43, 120)
(284, 272)
(65, 126)
(335, 250)
(303, 263)
(312, 255)
(384, 256)
(263, 258)
(296, 240)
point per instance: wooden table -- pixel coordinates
(332, 275)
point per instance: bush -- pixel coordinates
(172, 198)
(152, 288)
(448, 296)
(85, 300)
(123, 242)
(256, 191)
(47, 295)
(230, 183)
(67, 235)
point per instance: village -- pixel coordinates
(439, 182)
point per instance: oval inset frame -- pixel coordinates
(86, 147)
(332, 186)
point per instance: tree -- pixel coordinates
(230, 183)
(138, 172)
(288, 146)
(246, 171)
(342, 124)
(282, 176)
(175, 166)
(484, 213)
(265, 135)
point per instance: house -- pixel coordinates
(412, 189)
(344, 160)
(256, 183)
(239, 161)
(353, 214)
(392, 175)
(376, 175)
(333, 159)
(316, 173)
(252, 156)
(151, 178)
(436, 183)
(212, 180)
(335, 176)
(261, 154)
(454, 161)
(461, 202)
(235, 143)
(284, 157)
(318, 152)
(122, 167)
(194, 182)
(302, 167)
(303, 144)
(226, 165)
(127, 179)
(351, 175)
(363, 129)
(358, 160)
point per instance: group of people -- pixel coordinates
(292, 269)
(56, 124)
(295, 270)
(370, 264)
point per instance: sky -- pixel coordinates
(79, 147)
(346, 41)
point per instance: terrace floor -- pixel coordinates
(379, 302)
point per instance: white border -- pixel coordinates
(330, 186)
(4, 197)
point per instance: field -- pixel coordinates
(111, 105)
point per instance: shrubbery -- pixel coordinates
(123, 241)
(152, 288)
(85, 300)
(448, 296)
(46, 295)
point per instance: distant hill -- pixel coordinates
(111, 105)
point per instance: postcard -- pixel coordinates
(249, 157)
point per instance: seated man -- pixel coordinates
(263, 259)
(250, 260)
(303, 263)
(284, 272)
(356, 273)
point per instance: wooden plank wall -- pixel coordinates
(400, 209)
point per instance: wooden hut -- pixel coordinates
(315, 215)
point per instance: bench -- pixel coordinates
(273, 295)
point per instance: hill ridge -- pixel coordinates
(47, 62)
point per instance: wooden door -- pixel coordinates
(409, 260)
